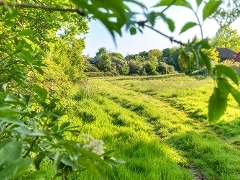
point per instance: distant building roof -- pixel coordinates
(225, 53)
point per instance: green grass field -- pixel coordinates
(159, 127)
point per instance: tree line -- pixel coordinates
(155, 61)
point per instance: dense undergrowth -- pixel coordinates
(158, 125)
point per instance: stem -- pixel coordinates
(29, 150)
(198, 20)
(168, 6)
(46, 8)
(170, 38)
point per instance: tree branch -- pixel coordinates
(168, 6)
(46, 8)
(29, 150)
(170, 38)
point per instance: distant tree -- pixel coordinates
(227, 13)
(170, 56)
(226, 37)
(155, 52)
(135, 67)
(66, 52)
(164, 68)
(103, 60)
(116, 55)
(120, 66)
(140, 59)
(182, 62)
(150, 68)
(143, 54)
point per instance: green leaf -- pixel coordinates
(26, 32)
(36, 175)
(64, 125)
(8, 45)
(67, 161)
(57, 159)
(183, 3)
(202, 44)
(151, 17)
(23, 166)
(222, 70)
(187, 26)
(4, 86)
(90, 155)
(12, 15)
(39, 70)
(133, 30)
(10, 152)
(217, 105)
(199, 2)
(236, 94)
(12, 119)
(41, 92)
(10, 171)
(38, 132)
(206, 61)
(9, 22)
(25, 98)
(224, 86)
(90, 165)
(4, 142)
(169, 22)
(23, 130)
(38, 159)
(210, 8)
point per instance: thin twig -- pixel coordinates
(27, 153)
(198, 20)
(46, 8)
(170, 38)
(168, 6)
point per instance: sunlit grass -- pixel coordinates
(159, 127)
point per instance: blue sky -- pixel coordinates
(98, 35)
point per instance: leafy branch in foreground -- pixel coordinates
(194, 53)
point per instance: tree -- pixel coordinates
(150, 68)
(66, 52)
(226, 37)
(103, 60)
(120, 65)
(182, 62)
(227, 13)
(135, 67)
(155, 52)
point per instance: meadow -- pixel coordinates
(158, 126)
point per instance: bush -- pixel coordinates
(164, 68)
(91, 68)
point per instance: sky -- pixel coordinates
(99, 36)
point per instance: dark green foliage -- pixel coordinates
(217, 105)
(87, 117)
(150, 68)
(164, 68)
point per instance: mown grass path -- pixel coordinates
(194, 144)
